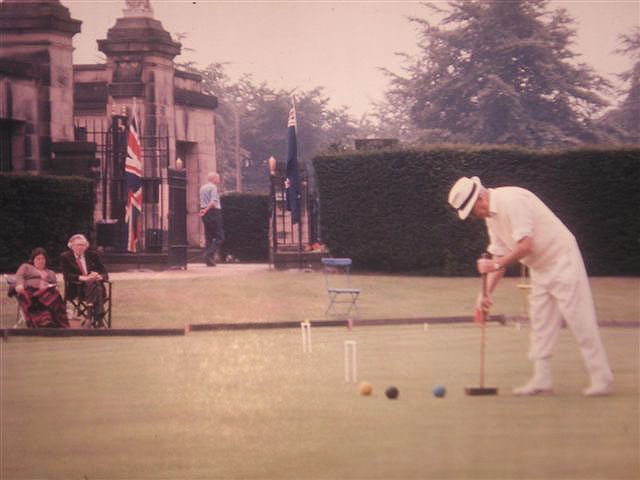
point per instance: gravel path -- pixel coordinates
(193, 270)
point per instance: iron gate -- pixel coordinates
(177, 181)
(286, 236)
(111, 150)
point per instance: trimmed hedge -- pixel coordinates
(246, 226)
(41, 211)
(388, 210)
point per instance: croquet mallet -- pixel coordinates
(481, 318)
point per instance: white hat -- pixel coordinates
(463, 195)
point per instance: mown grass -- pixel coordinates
(294, 296)
(250, 404)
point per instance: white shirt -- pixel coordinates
(83, 264)
(515, 213)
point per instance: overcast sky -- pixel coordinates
(337, 45)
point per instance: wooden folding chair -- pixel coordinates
(337, 275)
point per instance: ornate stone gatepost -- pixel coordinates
(36, 81)
(138, 8)
(140, 55)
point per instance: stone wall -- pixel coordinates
(39, 34)
(19, 109)
(44, 97)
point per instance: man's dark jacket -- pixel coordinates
(71, 270)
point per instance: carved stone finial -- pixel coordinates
(138, 8)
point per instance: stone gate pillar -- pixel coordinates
(39, 33)
(140, 55)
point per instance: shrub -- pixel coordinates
(246, 226)
(388, 210)
(41, 211)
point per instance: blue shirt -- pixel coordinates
(208, 194)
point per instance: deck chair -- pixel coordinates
(84, 309)
(337, 275)
(21, 320)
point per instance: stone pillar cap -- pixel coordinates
(39, 16)
(138, 8)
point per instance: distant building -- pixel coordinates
(56, 117)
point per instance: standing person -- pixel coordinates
(211, 213)
(83, 273)
(37, 293)
(522, 228)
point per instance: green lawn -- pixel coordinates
(295, 296)
(250, 404)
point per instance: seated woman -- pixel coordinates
(37, 293)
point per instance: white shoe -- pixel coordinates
(597, 389)
(533, 387)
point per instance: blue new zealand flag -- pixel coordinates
(293, 173)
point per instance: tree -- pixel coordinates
(500, 72)
(626, 118)
(262, 120)
(217, 82)
(264, 131)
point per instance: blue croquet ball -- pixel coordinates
(391, 393)
(439, 391)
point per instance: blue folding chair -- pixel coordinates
(337, 275)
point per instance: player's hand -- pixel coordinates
(484, 303)
(486, 265)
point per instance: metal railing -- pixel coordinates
(285, 235)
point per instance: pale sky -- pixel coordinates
(337, 45)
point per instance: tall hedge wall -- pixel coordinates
(388, 210)
(246, 226)
(41, 211)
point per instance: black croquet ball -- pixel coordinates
(391, 393)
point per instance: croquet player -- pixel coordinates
(211, 213)
(522, 228)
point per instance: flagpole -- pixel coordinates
(134, 173)
(139, 219)
(293, 178)
(293, 103)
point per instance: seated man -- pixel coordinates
(83, 274)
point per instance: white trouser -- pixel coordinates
(561, 290)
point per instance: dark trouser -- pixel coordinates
(94, 292)
(213, 232)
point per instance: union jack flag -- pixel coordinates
(133, 171)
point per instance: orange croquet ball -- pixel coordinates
(365, 388)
